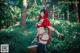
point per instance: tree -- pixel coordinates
(44, 3)
(78, 10)
(24, 6)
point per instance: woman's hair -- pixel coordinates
(43, 10)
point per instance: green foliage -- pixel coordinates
(19, 42)
(17, 38)
(19, 3)
(5, 15)
(70, 43)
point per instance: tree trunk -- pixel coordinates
(35, 2)
(24, 6)
(79, 11)
(44, 3)
(68, 15)
(65, 14)
(53, 11)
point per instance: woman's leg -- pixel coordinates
(41, 48)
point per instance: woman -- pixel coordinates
(44, 22)
(42, 36)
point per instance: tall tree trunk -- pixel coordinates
(35, 2)
(65, 14)
(71, 10)
(53, 11)
(76, 4)
(68, 15)
(44, 3)
(24, 6)
(79, 11)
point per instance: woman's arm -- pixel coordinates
(53, 29)
(41, 21)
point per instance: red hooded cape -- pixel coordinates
(45, 23)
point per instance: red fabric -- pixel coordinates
(46, 21)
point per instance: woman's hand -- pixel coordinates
(37, 16)
(38, 24)
(61, 35)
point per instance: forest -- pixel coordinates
(18, 19)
